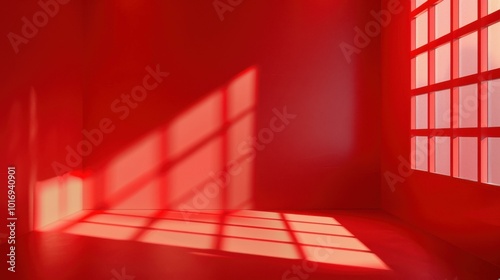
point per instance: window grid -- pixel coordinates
(462, 101)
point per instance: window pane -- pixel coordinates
(494, 46)
(418, 3)
(421, 30)
(442, 18)
(442, 155)
(493, 5)
(442, 109)
(494, 103)
(442, 63)
(420, 154)
(467, 114)
(467, 12)
(467, 48)
(494, 161)
(421, 105)
(467, 158)
(421, 71)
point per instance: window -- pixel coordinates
(455, 89)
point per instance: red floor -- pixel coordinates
(240, 245)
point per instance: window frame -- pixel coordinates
(481, 78)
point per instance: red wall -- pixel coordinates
(41, 98)
(327, 157)
(465, 213)
(263, 56)
(260, 59)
